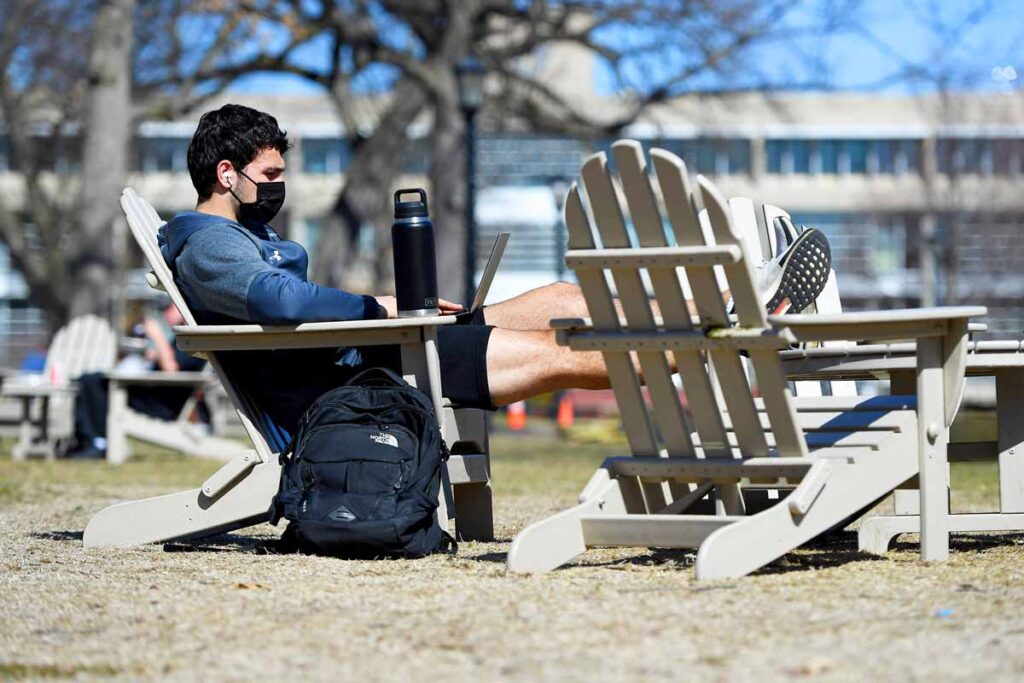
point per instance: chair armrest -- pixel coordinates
(572, 323)
(17, 390)
(185, 379)
(578, 324)
(194, 338)
(911, 323)
(977, 327)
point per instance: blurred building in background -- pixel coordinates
(920, 195)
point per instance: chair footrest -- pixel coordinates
(696, 469)
(660, 531)
(471, 468)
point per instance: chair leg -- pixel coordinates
(474, 512)
(876, 534)
(24, 444)
(550, 543)
(188, 514)
(1009, 404)
(34, 434)
(751, 543)
(117, 409)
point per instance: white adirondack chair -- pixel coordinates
(86, 344)
(241, 492)
(840, 453)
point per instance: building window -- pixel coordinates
(868, 251)
(712, 156)
(162, 155)
(789, 156)
(976, 156)
(857, 151)
(891, 157)
(828, 152)
(739, 155)
(323, 156)
(773, 152)
(312, 229)
(61, 154)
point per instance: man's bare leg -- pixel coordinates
(535, 309)
(525, 363)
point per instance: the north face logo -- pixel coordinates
(342, 514)
(385, 439)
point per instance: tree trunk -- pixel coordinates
(366, 198)
(448, 196)
(105, 149)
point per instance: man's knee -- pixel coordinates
(570, 295)
(563, 288)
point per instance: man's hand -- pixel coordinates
(449, 308)
(390, 304)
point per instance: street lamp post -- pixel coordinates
(470, 75)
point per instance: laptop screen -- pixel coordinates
(489, 270)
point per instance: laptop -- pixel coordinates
(490, 269)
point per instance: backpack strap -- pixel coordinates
(377, 376)
(449, 546)
(446, 491)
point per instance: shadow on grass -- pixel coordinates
(487, 557)
(58, 535)
(224, 543)
(966, 543)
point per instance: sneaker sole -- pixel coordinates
(804, 274)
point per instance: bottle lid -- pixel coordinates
(412, 209)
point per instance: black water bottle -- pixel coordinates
(412, 240)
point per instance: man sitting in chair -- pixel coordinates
(233, 268)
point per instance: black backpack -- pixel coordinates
(365, 469)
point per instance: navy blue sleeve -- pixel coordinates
(277, 298)
(226, 272)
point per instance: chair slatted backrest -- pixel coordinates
(144, 223)
(86, 344)
(716, 339)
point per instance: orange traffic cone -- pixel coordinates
(565, 416)
(516, 416)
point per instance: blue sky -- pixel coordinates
(892, 33)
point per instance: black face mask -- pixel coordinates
(269, 199)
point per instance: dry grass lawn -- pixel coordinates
(220, 610)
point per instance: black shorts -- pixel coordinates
(462, 349)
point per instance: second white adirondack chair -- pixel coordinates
(841, 454)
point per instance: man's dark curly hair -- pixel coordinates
(235, 133)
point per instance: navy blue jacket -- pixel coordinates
(231, 273)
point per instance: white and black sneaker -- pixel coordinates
(791, 281)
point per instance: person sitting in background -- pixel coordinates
(165, 403)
